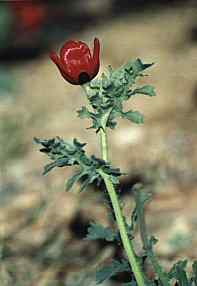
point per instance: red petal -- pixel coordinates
(54, 57)
(96, 55)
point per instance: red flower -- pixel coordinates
(28, 16)
(76, 64)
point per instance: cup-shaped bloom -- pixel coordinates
(76, 63)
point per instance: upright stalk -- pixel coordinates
(146, 244)
(127, 244)
(103, 144)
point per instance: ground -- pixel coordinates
(41, 225)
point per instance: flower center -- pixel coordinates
(83, 78)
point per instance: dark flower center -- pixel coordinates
(83, 78)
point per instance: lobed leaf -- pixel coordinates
(134, 116)
(179, 274)
(84, 112)
(194, 273)
(146, 90)
(63, 153)
(108, 94)
(98, 231)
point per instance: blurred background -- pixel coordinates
(41, 226)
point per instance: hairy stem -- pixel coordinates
(103, 144)
(127, 244)
(146, 244)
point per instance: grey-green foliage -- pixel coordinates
(178, 271)
(98, 231)
(107, 95)
(194, 273)
(64, 153)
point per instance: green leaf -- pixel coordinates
(152, 241)
(107, 272)
(98, 231)
(49, 167)
(133, 220)
(63, 153)
(146, 90)
(72, 180)
(84, 113)
(133, 116)
(106, 81)
(108, 94)
(194, 274)
(178, 272)
(96, 117)
(78, 144)
(137, 66)
(141, 197)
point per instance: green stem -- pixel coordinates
(103, 144)
(127, 244)
(146, 245)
